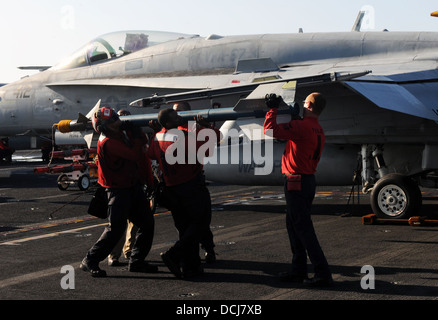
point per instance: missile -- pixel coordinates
(142, 120)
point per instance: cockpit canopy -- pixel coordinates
(117, 44)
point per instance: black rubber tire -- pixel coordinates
(396, 196)
(62, 185)
(84, 182)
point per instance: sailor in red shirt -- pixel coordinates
(305, 141)
(121, 153)
(191, 165)
(207, 242)
(185, 186)
(126, 244)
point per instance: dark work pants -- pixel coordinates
(302, 236)
(192, 217)
(124, 204)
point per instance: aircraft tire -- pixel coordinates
(63, 182)
(396, 196)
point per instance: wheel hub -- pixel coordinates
(392, 200)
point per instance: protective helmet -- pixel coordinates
(102, 118)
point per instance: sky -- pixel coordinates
(44, 32)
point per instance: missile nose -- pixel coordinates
(63, 126)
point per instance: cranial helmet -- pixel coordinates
(102, 118)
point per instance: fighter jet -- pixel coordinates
(381, 87)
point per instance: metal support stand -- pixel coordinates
(356, 182)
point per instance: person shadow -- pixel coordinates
(346, 278)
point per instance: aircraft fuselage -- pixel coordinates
(36, 102)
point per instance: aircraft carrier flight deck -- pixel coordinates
(43, 229)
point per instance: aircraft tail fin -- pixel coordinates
(358, 23)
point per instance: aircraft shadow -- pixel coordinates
(317, 209)
(396, 288)
(272, 269)
(29, 181)
(241, 271)
(356, 210)
(280, 209)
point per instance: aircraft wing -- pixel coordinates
(414, 93)
(302, 81)
(252, 106)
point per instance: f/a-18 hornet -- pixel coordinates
(381, 88)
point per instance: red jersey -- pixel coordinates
(122, 166)
(180, 171)
(305, 141)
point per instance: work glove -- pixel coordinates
(295, 110)
(272, 100)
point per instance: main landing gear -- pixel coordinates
(396, 196)
(393, 195)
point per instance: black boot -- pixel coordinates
(94, 269)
